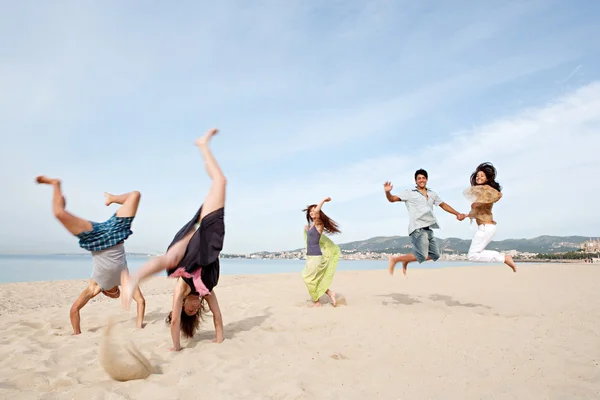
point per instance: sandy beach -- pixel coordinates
(454, 333)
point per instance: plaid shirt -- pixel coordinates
(106, 234)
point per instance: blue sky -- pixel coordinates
(312, 99)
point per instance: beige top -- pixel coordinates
(483, 198)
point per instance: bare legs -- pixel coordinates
(405, 259)
(215, 199)
(129, 203)
(74, 224)
(509, 261)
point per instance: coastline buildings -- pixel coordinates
(447, 254)
(591, 246)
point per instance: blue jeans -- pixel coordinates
(424, 244)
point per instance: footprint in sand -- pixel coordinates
(338, 356)
(116, 365)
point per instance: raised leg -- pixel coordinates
(74, 224)
(168, 260)
(129, 202)
(215, 199)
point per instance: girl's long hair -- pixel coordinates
(329, 225)
(490, 173)
(189, 323)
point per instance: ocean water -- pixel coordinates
(30, 268)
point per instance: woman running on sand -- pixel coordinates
(322, 254)
(193, 257)
(484, 192)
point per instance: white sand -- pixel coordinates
(456, 333)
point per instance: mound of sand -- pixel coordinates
(122, 365)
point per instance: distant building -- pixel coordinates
(591, 246)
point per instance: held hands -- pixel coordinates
(461, 217)
(387, 186)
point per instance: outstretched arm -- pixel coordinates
(178, 295)
(89, 293)
(320, 205)
(387, 187)
(213, 304)
(447, 208)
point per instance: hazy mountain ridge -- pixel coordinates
(540, 244)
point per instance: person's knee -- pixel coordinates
(221, 180)
(136, 196)
(140, 300)
(171, 260)
(74, 311)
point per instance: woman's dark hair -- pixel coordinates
(421, 172)
(329, 225)
(490, 173)
(189, 323)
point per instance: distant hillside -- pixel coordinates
(402, 244)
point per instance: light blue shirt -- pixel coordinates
(420, 209)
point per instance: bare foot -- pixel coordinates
(404, 267)
(391, 265)
(331, 295)
(46, 181)
(509, 261)
(316, 304)
(108, 199)
(203, 141)
(127, 286)
(218, 340)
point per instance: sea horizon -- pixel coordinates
(38, 268)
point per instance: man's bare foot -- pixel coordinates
(128, 284)
(331, 295)
(391, 265)
(316, 304)
(203, 141)
(509, 261)
(46, 181)
(404, 267)
(108, 199)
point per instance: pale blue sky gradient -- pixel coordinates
(313, 99)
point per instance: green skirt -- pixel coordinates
(317, 275)
(319, 270)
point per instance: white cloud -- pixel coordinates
(547, 160)
(281, 78)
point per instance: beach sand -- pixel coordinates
(454, 333)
